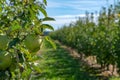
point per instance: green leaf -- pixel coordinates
(45, 2)
(43, 11)
(48, 39)
(26, 73)
(48, 19)
(15, 26)
(1, 9)
(44, 26)
(32, 14)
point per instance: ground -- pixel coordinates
(64, 64)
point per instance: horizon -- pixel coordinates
(68, 11)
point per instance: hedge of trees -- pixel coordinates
(92, 36)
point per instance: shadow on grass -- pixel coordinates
(60, 65)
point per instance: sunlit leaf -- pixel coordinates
(45, 2)
(15, 26)
(47, 26)
(47, 38)
(43, 11)
(48, 19)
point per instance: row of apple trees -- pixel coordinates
(21, 35)
(93, 36)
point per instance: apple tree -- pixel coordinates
(21, 36)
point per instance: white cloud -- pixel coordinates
(69, 16)
(64, 20)
(68, 6)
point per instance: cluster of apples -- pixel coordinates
(32, 43)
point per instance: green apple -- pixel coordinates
(5, 60)
(32, 42)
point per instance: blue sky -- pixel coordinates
(66, 11)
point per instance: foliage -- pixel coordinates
(18, 19)
(100, 38)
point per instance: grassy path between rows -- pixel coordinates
(60, 65)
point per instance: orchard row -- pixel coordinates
(93, 36)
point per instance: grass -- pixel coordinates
(60, 65)
(115, 78)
